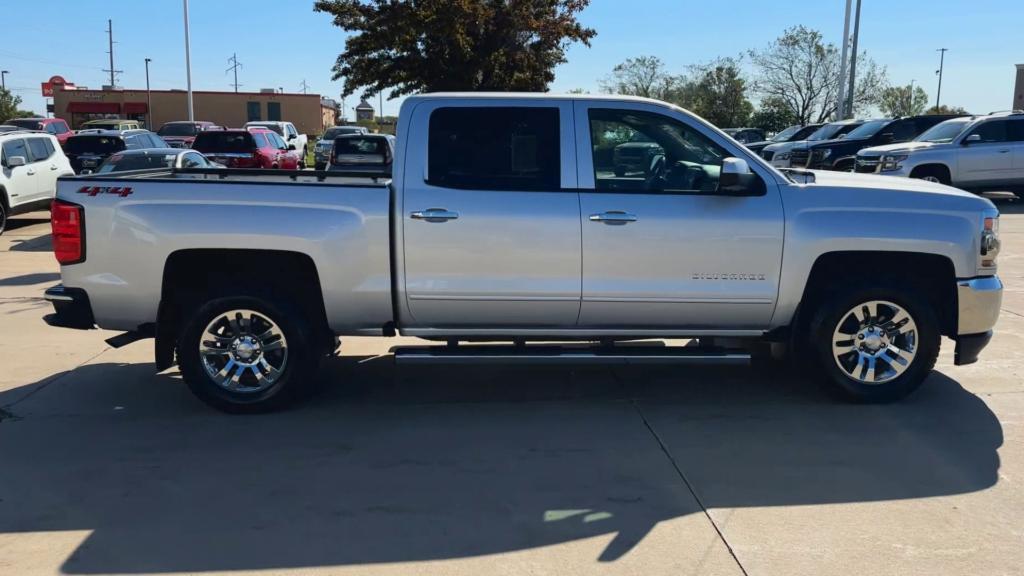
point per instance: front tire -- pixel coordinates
(936, 174)
(874, 344)
(245, 355)
(3, 217)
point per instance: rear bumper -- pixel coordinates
(979, 301)
(71, 308)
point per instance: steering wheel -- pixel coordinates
(656, 175)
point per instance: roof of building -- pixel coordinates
(364, 105)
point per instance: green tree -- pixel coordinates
(9, 106)
(946, 110)
(408, 46)
(718, 93)
(903, 101)
(773, 115)
(800, 69)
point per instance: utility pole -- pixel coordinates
(910, 102)
(188, 66)
(841, 96)
(110, 51)
(381, 96)
(304, 86)
(149, 98)
(3, 79)
(235, 65)
(942, 62)
(853, 63)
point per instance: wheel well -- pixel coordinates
(192, 277)
(931, 274)
(3, 198)
(929, 167)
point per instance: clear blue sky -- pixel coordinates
(68, 37)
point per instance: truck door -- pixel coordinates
(490, 216)
(989, 159)
(662, 249)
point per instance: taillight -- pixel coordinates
(68, 225)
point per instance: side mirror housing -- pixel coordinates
(736, 179)
(15, 161)
(972, 139)
(292, 137)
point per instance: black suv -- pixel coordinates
(794, 133)
(87, 150)
(841, 154)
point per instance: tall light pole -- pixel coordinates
(853, 63)
(841, 96)
(942, 62)
(188, 66)
(3, 79)
(149, 98)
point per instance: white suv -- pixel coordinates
(30, 163)
(976, 152)
(291, 136)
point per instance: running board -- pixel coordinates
(486, 354)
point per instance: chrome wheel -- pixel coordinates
(875, 342)
(931, 179)
(243, 351)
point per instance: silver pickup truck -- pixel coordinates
(508, 222)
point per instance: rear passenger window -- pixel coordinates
(37, 147)
(992, 131)
(260, 139)
(1016, 130)
(495, 148)
(903, 131)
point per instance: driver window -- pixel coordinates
(992, 131)
(649, 152)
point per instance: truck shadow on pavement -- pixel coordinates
(395, 465)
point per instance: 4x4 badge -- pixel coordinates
(121, 191)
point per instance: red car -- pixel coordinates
(181, 134)
(56, 126)
(252, 148)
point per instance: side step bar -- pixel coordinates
(486, 354)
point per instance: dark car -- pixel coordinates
(87, 151)
(181, 134)
(794, 133)
(745, 135)
(373, 153)
(841, 154)
(56, 126)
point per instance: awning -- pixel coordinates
(94, 107)
(135, 108)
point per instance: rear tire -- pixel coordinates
(243, 354)
(892, 344)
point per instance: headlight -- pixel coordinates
(990, 241)
(782, 156)
(822, 153)
(892, 161)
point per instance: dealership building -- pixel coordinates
(231, 109)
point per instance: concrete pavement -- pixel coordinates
(109, 468)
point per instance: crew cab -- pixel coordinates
(779, 154)
(505, 221)
(841, 154)
(181, 133)
(56, 126)
(976, 153)
(247, 148)
(87, 150)
(30, 163)
(289, 133)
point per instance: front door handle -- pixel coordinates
(30, 172)
(53, 167)
(613, 217)
(434, 215)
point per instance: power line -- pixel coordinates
(110, 51)
(235, 65)
(304, 86)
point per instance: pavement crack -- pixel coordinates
(689, 486)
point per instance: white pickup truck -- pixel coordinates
(507, 221)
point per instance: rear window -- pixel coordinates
(26, 124)
(275, 127)
(93, 144)
(223, 142)
(124, 162)
(359, 146)
(333, 133)
(178, 130)
(499, 148)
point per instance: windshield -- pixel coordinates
(124, 162)
(827, 132)
(275, 127)
(785, 134)
(945, 131)
(112, 124)
(333, 133)
(178, 130)
(224, 142)
(867, 129)
(359, 146)
(26, 124)
(93, 144)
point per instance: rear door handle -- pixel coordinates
(434, 215)
(613, 217)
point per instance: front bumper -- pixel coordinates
(978, 303)
(71, 308)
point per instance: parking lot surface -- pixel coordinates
(109, 468)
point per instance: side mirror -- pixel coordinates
(15, 161)
(291, 146)
(736, 179)
(972, 139)
(292, 137)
